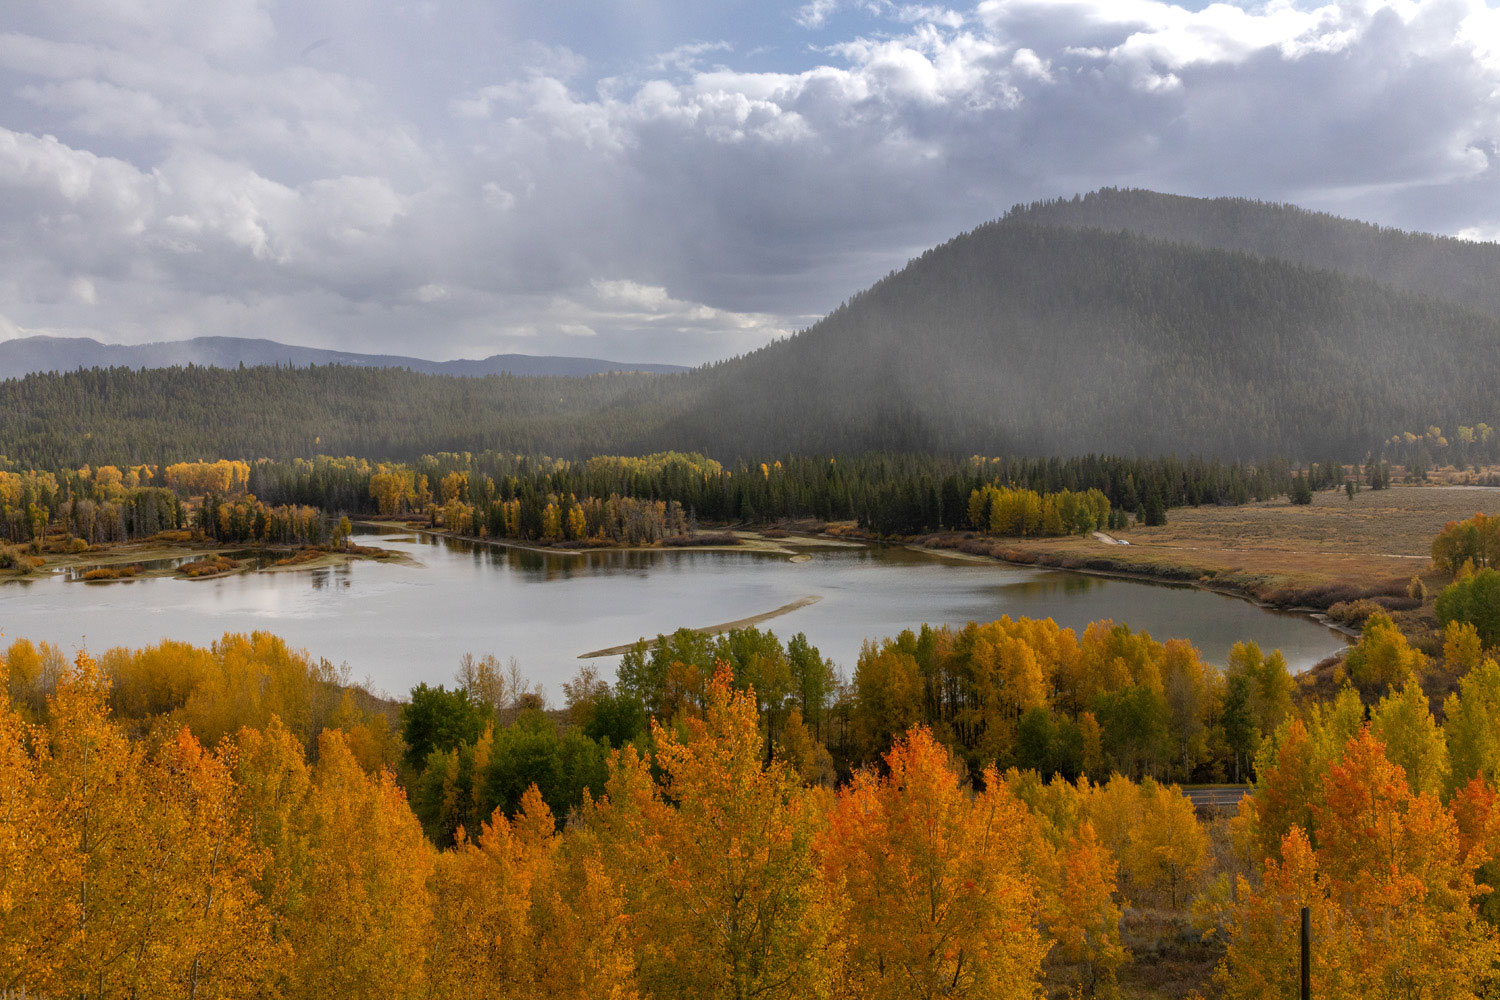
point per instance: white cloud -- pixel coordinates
(1480, 234)
(237, 166)
(83, 290)
(815, 13)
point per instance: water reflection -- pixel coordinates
(1069, 584)
(401, 624)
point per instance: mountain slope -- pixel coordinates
(1026, 339)
(1461, 271)
(26, 355)
(1014, 338)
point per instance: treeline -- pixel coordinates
(887, 494)
(636, 500)
(105, 415)
(1431, 449)
(107, 504)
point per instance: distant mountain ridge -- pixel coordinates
(27, 355)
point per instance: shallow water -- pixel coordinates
(396, 625)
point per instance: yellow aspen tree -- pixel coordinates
(38, 870)
(94, 775)
(221, 928)
(1288, 785)
(273, 781)
(1471, 726)
(1167, 849)
(722, 892)
(362, 928)
(1462, 649)
(1413, 742)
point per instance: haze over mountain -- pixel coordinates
(1463, 271)
(25, 355)
(1013, 338)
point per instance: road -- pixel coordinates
(1226, 797)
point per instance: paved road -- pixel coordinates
(1217, 798)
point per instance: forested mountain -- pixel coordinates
(1461, 271)
(1030, 339)
(26, 355)
(1011, 339)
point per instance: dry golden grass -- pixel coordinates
(1333, 549)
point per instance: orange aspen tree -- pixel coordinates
(1081, 913)
(1391, 882)
(937, 902)
(519, 915)
(721, 890)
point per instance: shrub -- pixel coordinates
(208, 566)
(1354, 613)
(102, 573)
(1476, 600)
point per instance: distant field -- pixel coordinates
(1379, 536)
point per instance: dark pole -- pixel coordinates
(1306, 954)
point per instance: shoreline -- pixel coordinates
(792, 546)
(710, 630)
(126, 554)
(1145, 576)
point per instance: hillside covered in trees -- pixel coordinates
(1442, 267)
(1038, 339)
(1014, 338)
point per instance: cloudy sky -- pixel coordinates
(666, 180)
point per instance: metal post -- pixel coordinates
(1306, 954)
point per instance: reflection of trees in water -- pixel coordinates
(334, 577)
(1070, 585)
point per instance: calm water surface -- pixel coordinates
(396, 625)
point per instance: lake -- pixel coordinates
(396, 625)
